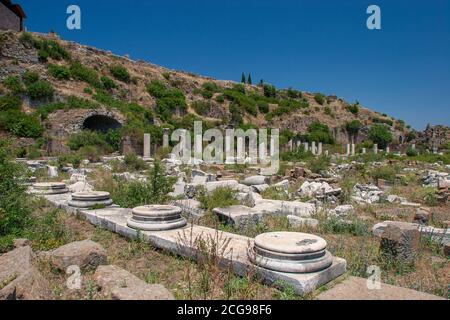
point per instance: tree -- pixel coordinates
(380, 135)
(249, 80)
(353, 128)
(243, 78)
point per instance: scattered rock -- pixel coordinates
(400, 240)
(84, 254)
(19, 279)
(260, 188)
(298, 222)
(256, 180)
(119, 284)
(422, 216)
(342, 211)
(366, 193)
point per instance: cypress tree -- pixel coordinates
(243, 78)
(249, 81)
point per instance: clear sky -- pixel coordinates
(319, 46)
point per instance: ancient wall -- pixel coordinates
(8, 19)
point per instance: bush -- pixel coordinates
(294, 94)
(167, 100)
(14, 84)
(50, 48)
(220, 198)
(263, 106)
(319, 132)
(15, 210)
(59, 72)
(133, 162)
(389, 122)
(85, 74)
(108, 83)
(21, 124)
(201, 107)
(86, 138)
(120, 73)
(30, 77)
(386, 173)
(320, 98)
(319, 164)
(410, 152)
(353, 127)
(9, 102)
(296, 155)
(137, 193)
(380, 135)
(269, 91)
(353, 108)
(220, 99)
(40, 90)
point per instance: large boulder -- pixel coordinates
(19, 279)
(119, 284)
(84, 254)
(400, 240)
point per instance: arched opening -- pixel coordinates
(101, 123)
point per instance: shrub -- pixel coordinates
(201, 107)
(220, 98)
(389, 122)
(319, 164)
(71, 158)
(30, 77)
(108, 83)
(410, 152)
(296, 155)
(386, 173)
(353, 127)
(319, 132)
(40, 90)
(320, 98)
(136, 193)
(21, 124)
(14, 84)
(59, 72)
(50, 49)
(132, 161)
(220, 198)
(263, 106)
(379, 134)
(269, 91)
(15, 210)
(86, 138)
(9, 102)
(120, 73)
(167, 100)
(85, 74)
(327, 111)
(26, 38)
(294, 94)
(353, 108)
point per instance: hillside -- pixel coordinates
(60, 84)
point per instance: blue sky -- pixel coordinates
(319, 46)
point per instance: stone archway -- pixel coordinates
(101, 123)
